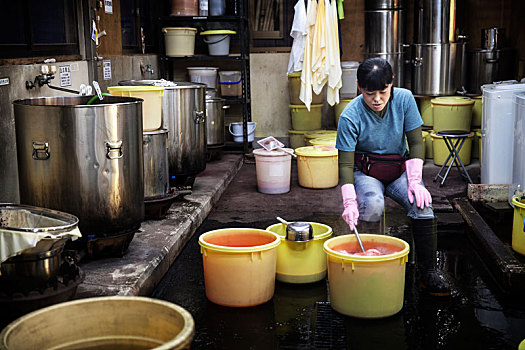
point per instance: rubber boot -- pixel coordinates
(425, 241)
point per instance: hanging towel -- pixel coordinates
(333, 63)
(305, 94)
(298, 34)
(319, 71)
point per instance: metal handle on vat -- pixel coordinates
(114, 147)
(40, 150)
(200, 117)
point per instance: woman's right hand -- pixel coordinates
(351, 209)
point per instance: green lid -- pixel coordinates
(323, 141)
(218, 32)
(304, 106)
(452, 101)
(316, 151)
(295, 74)
(320, 133)
(296, 132)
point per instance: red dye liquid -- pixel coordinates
(371, 249)
(240, 239)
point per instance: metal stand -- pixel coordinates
(454, 139)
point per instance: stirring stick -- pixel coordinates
(359, 239)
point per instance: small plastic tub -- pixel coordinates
(231, 83)
(317, 166)
(366, 286)
(179, 41)
(218, 41)
(301, 262)
(239, 265)
(204, 75)
(273, 170)
(441, 151)
(152, 106)
(452, 113)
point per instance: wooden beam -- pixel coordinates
(488, 193)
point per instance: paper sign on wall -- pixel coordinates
(64, 73)
(106, 68)
(108, 6)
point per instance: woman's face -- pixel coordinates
(376, 100)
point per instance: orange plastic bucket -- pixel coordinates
(239, 265)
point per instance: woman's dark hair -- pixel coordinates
(374, 74)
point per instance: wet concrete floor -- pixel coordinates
(478, 315)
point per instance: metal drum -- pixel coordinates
(435, 21)
(397, 61)
(384, 31)
(156, 177)
(215, 121)
(83, 159)
(489, 66)
(384, 4)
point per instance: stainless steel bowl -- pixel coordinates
(299, 231)
(40, 266)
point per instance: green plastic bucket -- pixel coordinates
(425, 109)
(339, 109)
(304, 119)
(518, 228)
(452, 113)
(296, 138)
(477, 111)
(441, 152)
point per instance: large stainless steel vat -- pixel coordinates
(215, 121)
(83, 159)
(384, 31)
(397, 61)
(488, 66)
(436, 69)
(435, 21)
(156, 177)
(384, 4)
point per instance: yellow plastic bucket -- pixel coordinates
(518, 228)
(294, 88)
(323, 141)
(425, 109)
(296, 138)
(452, 113)
(477, 111)
(304, 119)
(441, 151)
(316, 134)
(429, 152)
(339, 109)
(102, 323)
(317, 166)
(239, 265)
(425, 135)
(179, 41)
(366, 286)
(151, 107)
(301, 262)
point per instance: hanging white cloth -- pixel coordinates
(319, 71)
(333, 62)
(305, 94)
(298, 34)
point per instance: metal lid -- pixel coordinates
(316, 151)
(299, 231)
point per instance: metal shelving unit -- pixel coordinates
(240, 23)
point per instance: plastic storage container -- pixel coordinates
(103, 323)
(518, 226)
(179, 42)
(441, 152)
(152, 106)
(339, 109)
(452, 113)
(497, 132)
(518, 167)
(304, 119)
(296, 138)
(218, 41)
(294, 86)
(349, 80)
(184, 7)
(316, 134)
(239, 265)
(317, 166)
(231, 83)
(238, 133)
(204, 75)
(366, 286)
(273, 170)
(477, 111)
(425, 109)
(301, 262)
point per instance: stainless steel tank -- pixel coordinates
(215, 121)
(435, 21)
(83, 159)
(384, 31)
(489, 66)
(156, 175)
(397, 61)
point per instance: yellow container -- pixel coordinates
(317, 166)
(323, 141)
(518, 228)
(429, 152)
(441, 151)
(179, 41)
(339, 109)
(304, 119)
(476, 143)
(317, 134)
(477, 111)
(294, 86)
(452, 113)
(151, 107)
(366, 286)
(102, 323)
(301, 262)
(425, 135)
(296, 138)
(425, 109)
(239, 265)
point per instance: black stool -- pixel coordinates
(454, 139)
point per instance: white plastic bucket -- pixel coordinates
(218, 41)
(237, 133)
(204, 75)
(349, 80)
(179, 41)
(273, 170)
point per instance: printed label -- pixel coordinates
(64, 73)
(4, 81)
(106, 64)
(108, 6)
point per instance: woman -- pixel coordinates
(372, 134)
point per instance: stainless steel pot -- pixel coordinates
(436, 69)
(384, 4)
(215, 121)
(156, 177)
(488, 66)
(435, 21)
(492, 38)
(83, 159)
(397, 61)
(41, 266)
(384, 31)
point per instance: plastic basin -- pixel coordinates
(518, 226)
(452, 113)
(441, 152)
(304, 119)
(301, 262)
(273, 170)
(179, 41)
(317, 166)
(102, 323)
(239, 265)
(366, 286)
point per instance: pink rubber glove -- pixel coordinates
(414, 168)
(351, 211)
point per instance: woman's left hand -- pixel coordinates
(423, 197)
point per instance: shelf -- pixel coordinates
(234, 100)
(202, 18)
(233, 57)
